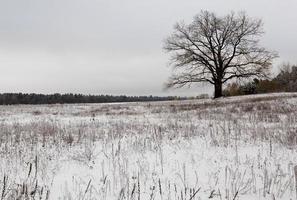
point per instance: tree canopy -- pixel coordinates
(216, 49)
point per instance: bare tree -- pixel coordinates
(216, 49)
(286, 67)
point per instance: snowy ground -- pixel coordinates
(231, 148)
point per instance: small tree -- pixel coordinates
(216, 49)
(287, 78)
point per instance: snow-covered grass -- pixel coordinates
(231, 148)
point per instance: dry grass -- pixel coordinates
(115, 135)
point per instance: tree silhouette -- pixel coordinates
(217, 49)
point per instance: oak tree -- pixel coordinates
(216, 49)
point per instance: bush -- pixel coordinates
(254, 87)
(232, 89)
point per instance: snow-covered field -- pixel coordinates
(231, 148)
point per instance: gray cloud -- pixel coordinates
(115, 47)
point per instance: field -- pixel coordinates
(226, 149)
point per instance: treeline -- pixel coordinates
(285, 81)
(23, 98)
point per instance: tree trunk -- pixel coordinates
(218, 90)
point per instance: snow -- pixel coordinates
(230, 148)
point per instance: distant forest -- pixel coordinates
(285, 81)
(23, 98)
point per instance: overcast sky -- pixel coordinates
(114, 46)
